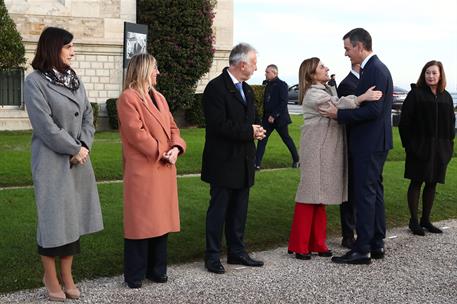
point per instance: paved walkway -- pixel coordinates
(415, 270)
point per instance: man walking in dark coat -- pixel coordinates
(228, 157)
(348, 86)
(275, 115)
(369, 141)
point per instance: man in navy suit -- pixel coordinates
(369, 141)
(348, 86)
(275, 115)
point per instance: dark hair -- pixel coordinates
(441, 83)
(359, 35)
(47, 55)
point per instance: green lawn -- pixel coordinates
(270, 213)
(107, 160)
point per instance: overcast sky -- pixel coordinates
(406, 34)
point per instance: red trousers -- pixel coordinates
(309, 229)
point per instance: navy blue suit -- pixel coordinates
(348, 86)
(275, 105)
(369, 140)
(347, 209)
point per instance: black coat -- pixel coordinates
(348, 86)
(275, 99)
(229, 152)
(427, 133)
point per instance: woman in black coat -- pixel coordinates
(427, 134)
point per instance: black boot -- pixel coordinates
(416, 228)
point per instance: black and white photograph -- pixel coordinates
(135, 40)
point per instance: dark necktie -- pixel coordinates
(239, 86)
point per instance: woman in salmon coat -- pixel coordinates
(151, 144)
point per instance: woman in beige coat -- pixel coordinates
(151, 144)
(323, 160)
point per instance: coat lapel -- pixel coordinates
(158, 115)
(64, 91)
(232, 89)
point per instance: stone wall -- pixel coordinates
(98, 28)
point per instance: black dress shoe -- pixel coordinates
(134, 284)
(430, 227)
(353, 257)
(325, 254)
(289, 252)
(158, 279)
(300, 256)
(245, 260)
(378, 253)
(214, 266)
(296, 165)
(348, 243)
(416, 229)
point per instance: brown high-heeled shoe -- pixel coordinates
(58, 296)
(72, 293)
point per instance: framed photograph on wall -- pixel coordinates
(135, 40)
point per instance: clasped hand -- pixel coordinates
(171, 155)
(81, 157)
(259, 132)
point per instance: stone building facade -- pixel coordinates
(98, 28)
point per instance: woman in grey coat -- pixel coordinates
(323, 160)
(65, 189)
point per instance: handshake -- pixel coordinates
(259, 132)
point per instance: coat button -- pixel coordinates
(76, 114)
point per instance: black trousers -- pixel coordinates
(145, 257)
(347, 210)
(283, 131)
(227, 206)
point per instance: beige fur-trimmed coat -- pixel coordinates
(323, 151)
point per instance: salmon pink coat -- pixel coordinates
(150, 186)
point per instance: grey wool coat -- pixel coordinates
(66, 196)
(323, 150)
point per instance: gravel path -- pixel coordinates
(415, 270)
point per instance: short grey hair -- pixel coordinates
(273, 67)
(240, 53)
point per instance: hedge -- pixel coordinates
(194, 114)
(112, 113)
(95, 111)
(181, 39)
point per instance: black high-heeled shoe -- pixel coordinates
(430, 227)
(416, 228)
(300, 256)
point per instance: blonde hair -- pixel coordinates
(305, 76)
(138, 71)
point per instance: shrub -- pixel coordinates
(194, 114)
(112, 113)
(258, 92)
(95, 111)
(12, 50)
(181, 39)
